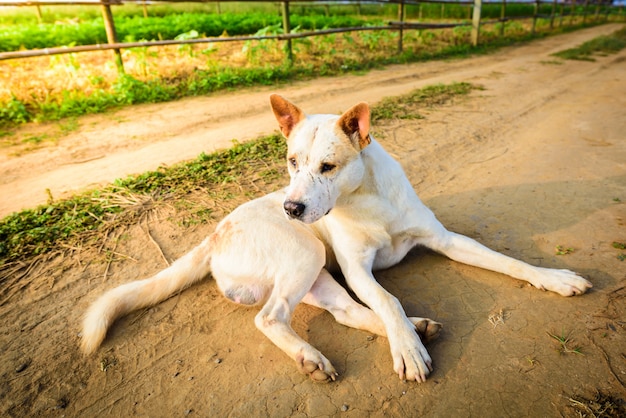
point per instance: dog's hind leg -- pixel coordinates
(468, 251)
(327, 294)
(274, 321)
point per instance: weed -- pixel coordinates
(619, 245)
(35, 139)
(69, 125)
(564, 343)
(532, 361)
(561, 250)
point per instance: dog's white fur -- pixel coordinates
(348, 206)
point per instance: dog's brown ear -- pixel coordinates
(287, 114)
(355, 123)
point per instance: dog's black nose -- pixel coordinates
(294, 209)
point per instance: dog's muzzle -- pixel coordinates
(294, 209)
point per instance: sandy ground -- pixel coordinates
(535, 160)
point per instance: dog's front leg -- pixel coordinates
(274, 321)
(410, 358)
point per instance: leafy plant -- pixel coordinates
(254, 50)
(187, 49)
(14, 111)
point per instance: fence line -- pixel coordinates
(400, 25)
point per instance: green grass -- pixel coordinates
(403, 107)
(602, 45)
(91, 32)
(72, 221)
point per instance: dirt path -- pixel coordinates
(535, 160)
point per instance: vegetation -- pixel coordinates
(91, 83)
(91, 32)
(602, 45)
(403, 107)
(74, 220)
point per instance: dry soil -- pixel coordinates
(535, 160)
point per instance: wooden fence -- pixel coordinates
(559, 9)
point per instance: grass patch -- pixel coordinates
(404, 107)
(36, 231)
(72, 221)
(602, 45)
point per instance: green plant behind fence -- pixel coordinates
(91, 32)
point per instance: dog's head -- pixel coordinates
(323, 156)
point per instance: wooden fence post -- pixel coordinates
(503, 17)
(585, 11)
(39, 15)
(552, 15)
(109, 26)
(535, 17)
(287, 31)
(476, 22)
(401, 19)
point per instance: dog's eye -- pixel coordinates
(326, 167)
(293, 162)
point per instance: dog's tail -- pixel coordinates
(121, 300)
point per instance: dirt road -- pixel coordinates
(534, 161)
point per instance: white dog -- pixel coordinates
(348, 206)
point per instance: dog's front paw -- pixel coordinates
(427, 329)
(563, 282)
(316, 366)
(410, 359)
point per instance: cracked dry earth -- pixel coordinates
(535, 160)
